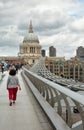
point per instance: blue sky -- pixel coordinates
(80, 1)
(59, 23)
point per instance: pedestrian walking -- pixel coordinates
(12, 86)
(7, 66)
(12, 67)
(2, 68)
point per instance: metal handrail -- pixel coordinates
(75, 96)
(64, 94)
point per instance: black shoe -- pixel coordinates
(10, 104)
(13, 102)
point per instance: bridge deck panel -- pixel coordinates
(22, 115)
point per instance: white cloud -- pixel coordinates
(56, 22)
(78, 25)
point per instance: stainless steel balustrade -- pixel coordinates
(59, 98)
(40, 69)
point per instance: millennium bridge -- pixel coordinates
(46, 101)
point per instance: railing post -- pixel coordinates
(66, 115)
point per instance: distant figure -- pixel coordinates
(12, 86)
(7, 66)
(2, 68)
(12, 67)
(17, 66)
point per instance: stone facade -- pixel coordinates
(30, 49)
(71, 69)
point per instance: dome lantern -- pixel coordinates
(30, 27)
(31, 37)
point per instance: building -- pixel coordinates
(12, 59)
(80, 53)
(52, 51)
(43, 52)
(30, 48)
(70, 69)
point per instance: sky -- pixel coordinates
(58, 23)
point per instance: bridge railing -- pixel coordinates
(63, 101)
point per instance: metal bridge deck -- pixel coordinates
(26, 114)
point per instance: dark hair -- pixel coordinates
(12, 72)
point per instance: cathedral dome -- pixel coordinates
(31, 37)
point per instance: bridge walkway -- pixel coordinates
(25, 114)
